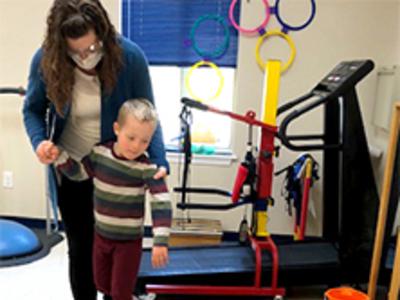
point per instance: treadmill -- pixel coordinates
(350, 202)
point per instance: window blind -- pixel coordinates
(162, 28)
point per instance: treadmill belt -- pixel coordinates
(240, 259)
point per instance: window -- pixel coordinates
(207, 128)
(163, 29)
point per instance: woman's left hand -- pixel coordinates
(161, 173)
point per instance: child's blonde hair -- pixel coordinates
(140, 108)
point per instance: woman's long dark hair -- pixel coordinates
(74, 19)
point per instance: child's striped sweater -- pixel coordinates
(119, 193)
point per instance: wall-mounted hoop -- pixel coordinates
(219, 50)
(286, 26)
(217, 71)
(283, 35)
(253, 30)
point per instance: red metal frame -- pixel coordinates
(301, 219)
(304, 208)
(256, 290)
(258, 244)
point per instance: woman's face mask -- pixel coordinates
(88, 63)
(88, 58)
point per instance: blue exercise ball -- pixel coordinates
(17, 239)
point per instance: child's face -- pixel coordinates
(133, 137)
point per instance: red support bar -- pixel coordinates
(249, 118)
(265, 164)
(258, 246)
(213, 290)
(257, 275)
(304, 207)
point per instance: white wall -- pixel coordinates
(342, 30)
(22, 26)
(22, 29)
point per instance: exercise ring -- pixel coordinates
(286, 26)
(190, 72)
(254, 30)
(283, 35)
(222, 48)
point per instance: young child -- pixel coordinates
(121, 173)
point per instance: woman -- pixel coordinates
(81, 75)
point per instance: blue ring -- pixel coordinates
(294, 28)
(221, 49)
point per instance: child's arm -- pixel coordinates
(161, 213)
(73, 169)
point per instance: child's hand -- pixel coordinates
(161, 173)
(53, 152)
(159, 256)
(47, 152)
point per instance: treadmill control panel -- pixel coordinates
(344, 77)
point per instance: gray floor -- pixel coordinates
(47, 279)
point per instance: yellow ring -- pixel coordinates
(286, 37)
(189, 74)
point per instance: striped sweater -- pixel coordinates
(119, 193)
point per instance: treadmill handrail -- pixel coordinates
(293, 103)
(282, 133)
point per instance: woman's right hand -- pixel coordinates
(47, 152)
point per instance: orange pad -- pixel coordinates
(345, 293)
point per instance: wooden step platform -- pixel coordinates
(195, 232)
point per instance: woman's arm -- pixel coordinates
(35, 104)
(141, 82)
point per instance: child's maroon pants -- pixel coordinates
(115, 266)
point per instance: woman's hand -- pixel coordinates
(47, 152)
(161, 173)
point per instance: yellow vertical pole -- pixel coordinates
(269, 110)
(271, 91)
